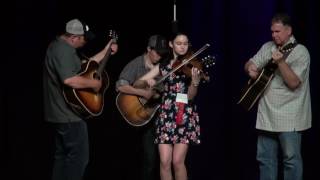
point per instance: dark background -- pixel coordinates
(235, 29)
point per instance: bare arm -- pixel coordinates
(288, 75)
(113, 47)
(151, 74)
(128, 89)
(79, 82)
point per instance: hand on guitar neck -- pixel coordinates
(277, 57)
(113, 46)
(110, 48)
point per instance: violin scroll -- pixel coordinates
(202, 65)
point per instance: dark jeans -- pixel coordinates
(72, 151)
(150, 155)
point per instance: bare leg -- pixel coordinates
(165, 151)
(179, 156)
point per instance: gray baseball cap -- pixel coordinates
(76, 27)
(159, 44)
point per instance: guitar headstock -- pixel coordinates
(113, 35)
(287, 48)
(208, 61)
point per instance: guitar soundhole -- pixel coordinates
(96, 76)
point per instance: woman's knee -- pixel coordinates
(178, 163)
(165, 163)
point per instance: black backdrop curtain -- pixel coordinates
(234, 29)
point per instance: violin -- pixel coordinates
(195, 62)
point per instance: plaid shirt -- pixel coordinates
(281, 109)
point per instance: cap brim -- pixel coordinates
(162, 52)
(89, 35)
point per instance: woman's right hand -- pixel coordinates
(151, 82)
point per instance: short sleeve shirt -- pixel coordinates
(132, 71)
(61, 62)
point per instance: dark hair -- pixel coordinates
(172, 37)
(282, 18)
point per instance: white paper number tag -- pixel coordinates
(183, 98)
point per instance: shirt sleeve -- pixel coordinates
(127, 75)
(261, 58)
(299, 62)
(67, 64)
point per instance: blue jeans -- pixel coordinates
(267, 155)
(72, 151)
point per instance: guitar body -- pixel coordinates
(86, 102)
(136, 110)
(254, 89)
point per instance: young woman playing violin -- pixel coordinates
(178, 121)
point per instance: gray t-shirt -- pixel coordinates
(61, 62)
(132, 71)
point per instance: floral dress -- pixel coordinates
(176, 123)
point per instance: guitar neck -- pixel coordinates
(104, 60)
(271, 66)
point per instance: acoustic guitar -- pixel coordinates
(86, 102)
(138, 111)
(253, 90)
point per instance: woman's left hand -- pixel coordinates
(195, 76)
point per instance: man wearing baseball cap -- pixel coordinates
(156, 50)
(76, 27)
(61, 68)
